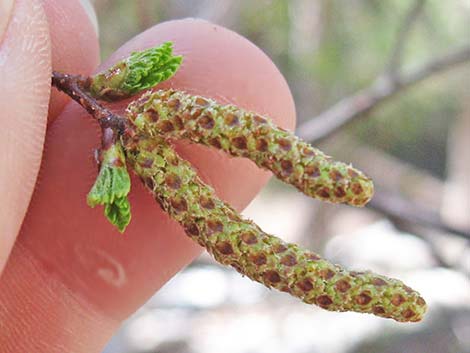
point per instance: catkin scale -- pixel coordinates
(240, 133)
(262, 257)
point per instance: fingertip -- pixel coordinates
(45, 321)
(74, 40)
(90, 11)
(25, 82)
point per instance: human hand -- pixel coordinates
(71, 277)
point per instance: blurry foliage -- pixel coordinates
(349, 45)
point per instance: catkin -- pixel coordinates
(262, 257)
(240, 133)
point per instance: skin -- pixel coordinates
(71, 278)
(28, 71)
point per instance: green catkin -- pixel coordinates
(166, 114)
(240, 133)
(262, 257)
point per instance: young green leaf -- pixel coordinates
(112, 186)
(119, 212)
(140, 71)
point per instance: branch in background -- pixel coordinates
(391, 82)
(408, 216)
(395, 206)
(404, 29)
(145, 17)
(396, 176)
(222, 11)
(427, 190)
(383, 88)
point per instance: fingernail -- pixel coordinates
(6, 9)
(90, 11)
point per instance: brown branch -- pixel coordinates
(427, 190)
(408, 216)
(404, 29)
(383, 88)
(145, 17)
(397, 207)
(75, 87)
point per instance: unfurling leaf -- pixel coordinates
(119, 212)
(140, 71)
(112, 186)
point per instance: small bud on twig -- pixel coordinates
(140, 71)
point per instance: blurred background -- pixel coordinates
(384, 84)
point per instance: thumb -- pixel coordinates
(25, 63)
